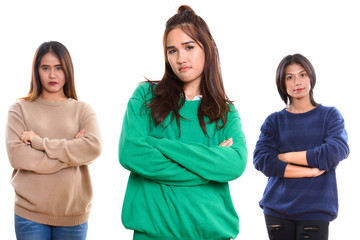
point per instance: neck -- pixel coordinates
(300, 107)
(53, 97)
(192, 90)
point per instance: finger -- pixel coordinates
(227, 143)
(23, 138)
(223, 143)
(26, 140)
(80, 134)
(320, 172)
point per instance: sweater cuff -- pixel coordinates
(37, 143)
(152, 141)
(310, 158)
(281, 170)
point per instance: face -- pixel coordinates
(51, 75)
(186, 57)
(297, 81)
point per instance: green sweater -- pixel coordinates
(178, 186)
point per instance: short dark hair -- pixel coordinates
(280, 76)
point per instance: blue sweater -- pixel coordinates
(321, 132)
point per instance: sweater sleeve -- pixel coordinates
(75, 152)
(335, 147)
(23, 156)
(138, 156)
(266, 150)
(215, 163)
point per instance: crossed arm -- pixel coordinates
(288, 165)
(27, 136)
(167, 161)
(28, 151)
(296, 171)
(310, 163)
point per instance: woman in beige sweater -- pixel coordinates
(51, 139)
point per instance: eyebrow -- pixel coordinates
(46, 65)
(295, 73)
(184, 43)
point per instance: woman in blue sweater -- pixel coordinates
(299, 149)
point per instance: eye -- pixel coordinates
(303, 74)
(59, 68)
(170, 51)
(189, 47)
(289, 77)
(44, 68)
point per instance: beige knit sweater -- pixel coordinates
(51, 177)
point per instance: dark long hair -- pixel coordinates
(64, 57)
(169, 94)
(280, 76)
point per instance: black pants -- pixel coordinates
(283, 229)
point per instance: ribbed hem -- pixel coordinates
(143, 236)
(315, 216)
(64, 221)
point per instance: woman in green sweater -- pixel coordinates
(182, 141)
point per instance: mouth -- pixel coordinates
(53, 83)
(183, 69)
(299, 89)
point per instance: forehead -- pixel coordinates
(294, 68)
(177, 36)
(50, 59)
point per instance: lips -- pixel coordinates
(183, 69)
(53, 83)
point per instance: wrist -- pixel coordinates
(283, 157)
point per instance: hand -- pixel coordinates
(317, 172)
(282, 156)
(295, 171)
(80, 134)
(27, 136)
(227, 143)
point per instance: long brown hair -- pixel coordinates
(64, 57)
(169, 94)
(280, 76)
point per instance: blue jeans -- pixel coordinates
(29, 230)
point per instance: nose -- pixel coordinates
(181, 57)
(52, 73)
(297, 80)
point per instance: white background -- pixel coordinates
(115, 44)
